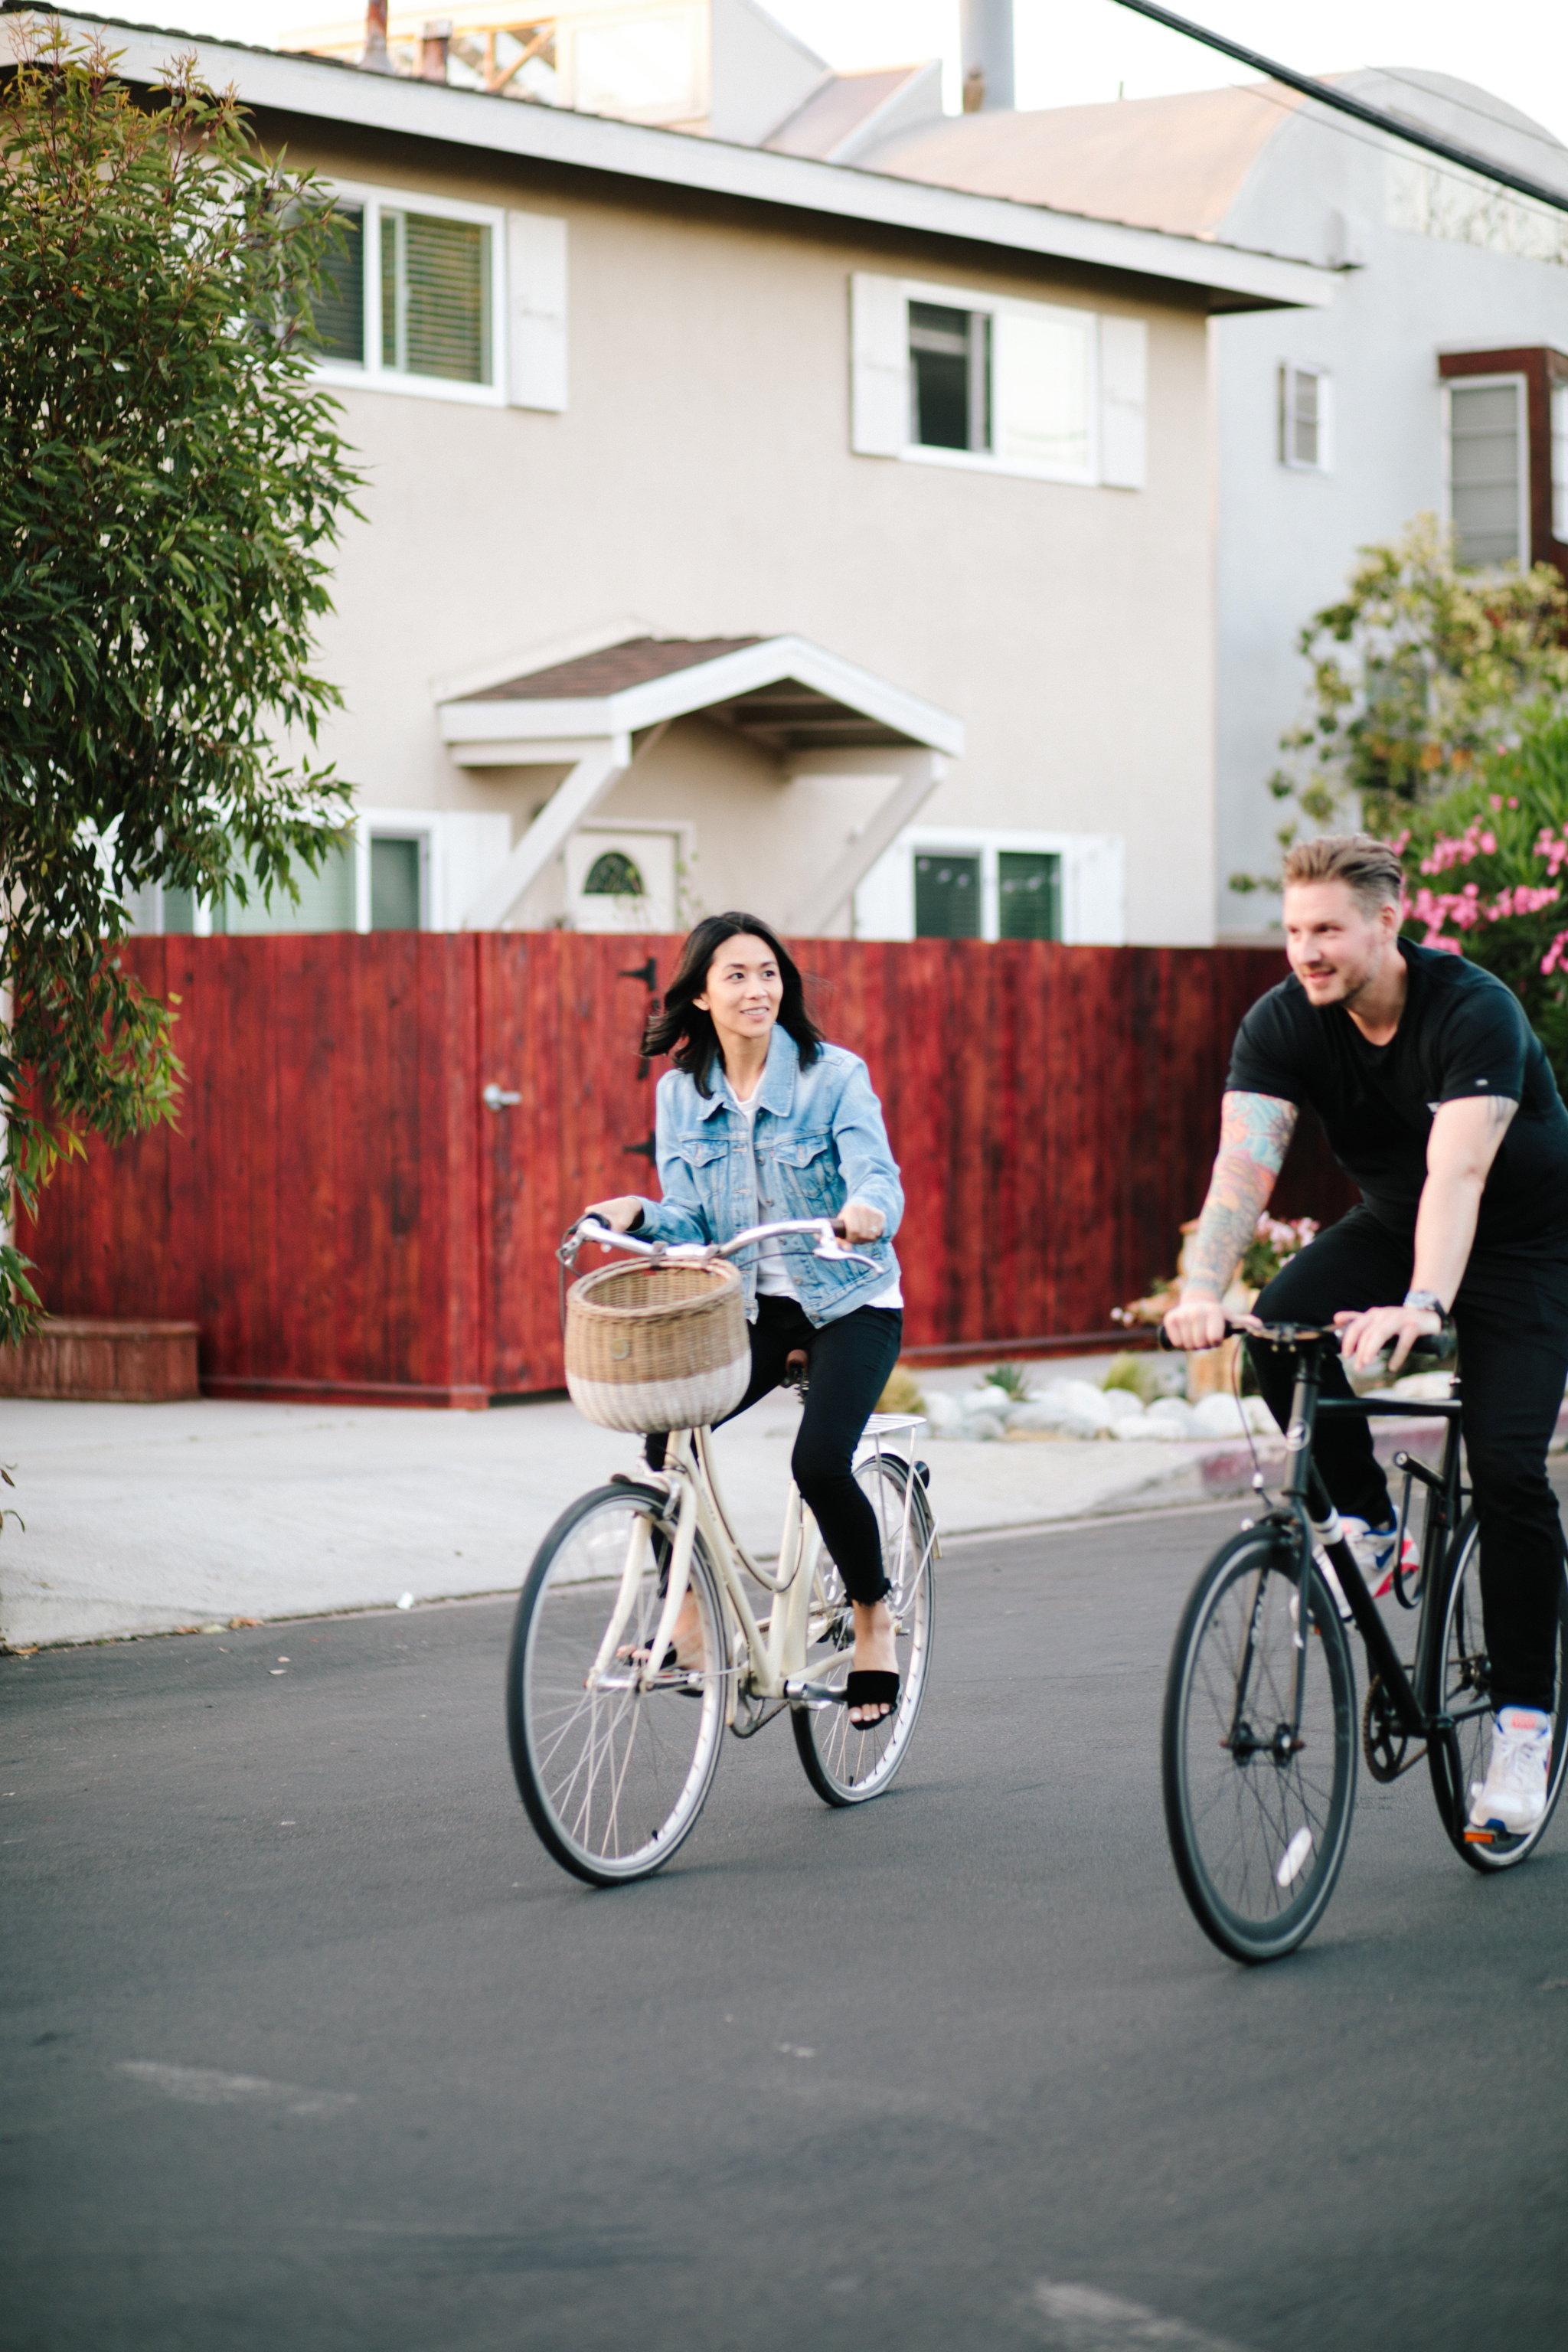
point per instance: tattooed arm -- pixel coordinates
(1255, 1133)
(1464, 1139)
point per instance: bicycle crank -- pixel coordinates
(1384, 1738)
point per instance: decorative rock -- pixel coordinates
(1174, 1415)
(1218, 1415)
(1081, 1401)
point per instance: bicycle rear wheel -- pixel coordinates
(1257, 1817)
(1458, 1763)
(613, 1773)
(848, 1763)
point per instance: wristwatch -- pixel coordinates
(1429, 1301)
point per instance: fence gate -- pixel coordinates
(565, 1104)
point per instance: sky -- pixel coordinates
(1077, 52)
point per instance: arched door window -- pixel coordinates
(612, 875)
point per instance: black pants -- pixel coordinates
(1511, 1313)
(851, 1361)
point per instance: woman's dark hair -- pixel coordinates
(684, 1032)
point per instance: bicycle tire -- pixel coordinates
(1257, 1831)
(612, 1776)
(846, 1763)
(1460, 1760)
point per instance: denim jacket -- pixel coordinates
(820, 1141)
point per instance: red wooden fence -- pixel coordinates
(341, 1216)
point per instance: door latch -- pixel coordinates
(495, 1097)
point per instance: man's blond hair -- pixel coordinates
(1371, 869)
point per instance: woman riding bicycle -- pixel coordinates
(759, 1121)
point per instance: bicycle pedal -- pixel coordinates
(1480, 1837)
(801, 1692)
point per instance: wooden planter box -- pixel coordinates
(88, 1358)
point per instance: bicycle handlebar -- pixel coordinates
(1431, 1347)
(828, 1244)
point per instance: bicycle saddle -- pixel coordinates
(797, 1371)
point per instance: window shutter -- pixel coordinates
(1325, 423)
(1123, 403)
(1042, 405)
(879, 365)
(536, 310)
(1094, 913)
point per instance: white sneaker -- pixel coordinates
(1513, 1797)
(1374, 1548)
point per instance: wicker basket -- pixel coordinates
(658, 1347)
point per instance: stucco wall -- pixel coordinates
(702, 479)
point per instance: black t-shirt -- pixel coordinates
(1461, 1032)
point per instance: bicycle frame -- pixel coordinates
(776, 1649)
(1305, 1498)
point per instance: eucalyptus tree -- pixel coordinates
(172, 490)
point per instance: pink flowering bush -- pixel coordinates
(1487, 878)
(1274, 1240)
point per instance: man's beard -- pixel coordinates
(1352, 984)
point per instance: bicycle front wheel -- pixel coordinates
(1257, 1806)
(1458, 1762)
(848, 1763)
(612, 1764)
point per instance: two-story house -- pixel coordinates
(747, 527)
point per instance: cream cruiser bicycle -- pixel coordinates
(616, 1735)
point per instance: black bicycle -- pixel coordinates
(1259, 1741)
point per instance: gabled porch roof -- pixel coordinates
(591, 713)
(782, 692)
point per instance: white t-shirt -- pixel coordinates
(772, 1279)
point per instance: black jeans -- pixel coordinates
(851, 1361)
(1511, 1313)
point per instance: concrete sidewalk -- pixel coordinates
(143, 1519)
(148, 1519)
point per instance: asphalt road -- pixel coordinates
(305, 2042)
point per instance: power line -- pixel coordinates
(1520, 129)
(1343, 103)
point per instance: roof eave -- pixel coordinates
(321, 88)
(688, 692)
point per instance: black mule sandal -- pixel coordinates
(872, 1686)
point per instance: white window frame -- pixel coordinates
(1290, 370)
(1452, 384)
(996, 306)
(370, 375)
(1557, 430)
(397, 824)
(1093, 913)
(1117, 368)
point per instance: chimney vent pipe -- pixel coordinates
(433, 39)
(987, 32)
(374, 57)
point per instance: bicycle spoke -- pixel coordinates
(613, 1778)
(848, 1763)
(1256, 1803)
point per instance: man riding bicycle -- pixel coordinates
(1438, 1099)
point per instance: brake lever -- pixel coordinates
(830, 1247)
